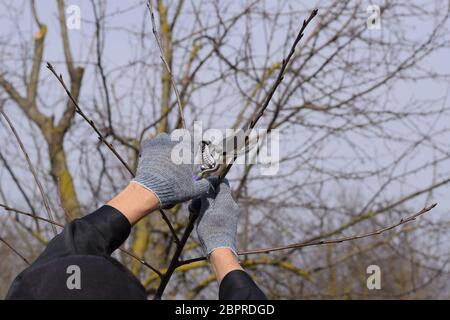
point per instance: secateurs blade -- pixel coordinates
(212, 155)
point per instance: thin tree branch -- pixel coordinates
(331, 241)
(175, 259)
(145, 263)
(19, 186)
(166, 65)
(31, 215)
(88, 120)
(100, 66)
(265, 103)
(344, 239)
(30, 166)
(169, 224)
(14, 250)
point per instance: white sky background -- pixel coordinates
(119, 50)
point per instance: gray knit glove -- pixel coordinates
(171, 183)
(217, 222)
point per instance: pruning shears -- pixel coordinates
(210, 159)
(213, 155)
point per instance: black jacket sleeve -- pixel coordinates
(87, 242)
(238, 285)
(99, 233)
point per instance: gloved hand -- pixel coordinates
(171, 183)
(217, 222)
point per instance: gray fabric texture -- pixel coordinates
(172, 183)
(217, 222)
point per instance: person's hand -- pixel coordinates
(217, 222)
(171, 183)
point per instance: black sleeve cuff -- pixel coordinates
(111, 224)
(238, 285)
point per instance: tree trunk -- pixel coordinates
(61, 175)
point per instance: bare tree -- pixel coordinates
(361, 113)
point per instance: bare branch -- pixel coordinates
(88, 120)
(30, 166)
(172, 80)
(31, 215)
(343, 239)
(169, 224)
(331, 241)
(145, 263)
(15, 250)
(100, 66)
(265, 103)
(174, 263)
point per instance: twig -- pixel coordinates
(169, 224)
(344, 239)
(15, 251)
(172, 80)
(30, 166)
(331, 241)
(31, 215)
(265, 102)
(100, 66)
(282, 71)
(19, 186)
(88, 120)
(175, 259)
(175, 262)
(145, 263)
